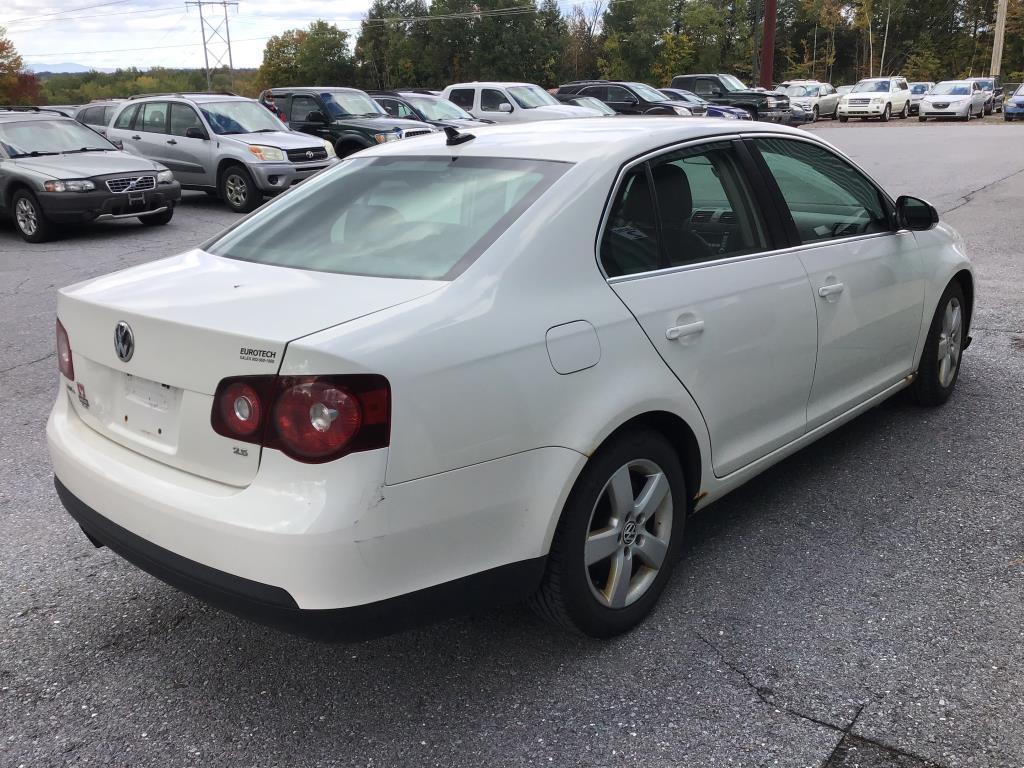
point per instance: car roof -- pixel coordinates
(489, 84)
(198, 98)
(317, 88)
(610, 142)
(21, 116)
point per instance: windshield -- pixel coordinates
(871, 86)
(732, 83)
(801, 90)
(918, 88)
(229, 117)
(438, 109)
(530, 96)
(351, 104)
(692, 98)
(952, 89)
(591, 103)
(647, 93)
(1020, 90)
(49, 137)
(423, 218)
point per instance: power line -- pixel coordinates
(101, 15)
(69, 10)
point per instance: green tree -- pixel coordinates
(675, 55)
(11, 67)
(318, 55)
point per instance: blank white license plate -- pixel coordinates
(151, 394)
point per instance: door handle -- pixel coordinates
(834, 289)
(680, 331)
(136, 138)
(172, 141)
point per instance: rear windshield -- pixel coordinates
(918, 88)
(424, 218)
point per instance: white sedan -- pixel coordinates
(460, 371)
(962, 99)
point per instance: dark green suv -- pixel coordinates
(347, 117)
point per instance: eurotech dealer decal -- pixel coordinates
(257, 355)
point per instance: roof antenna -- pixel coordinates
(454, 137)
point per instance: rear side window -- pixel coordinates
(154, 117)
(597, 91)
(630, 243)
(92, 116)
(409, 217)
(827, 197)
(463, 97)
(127, 116)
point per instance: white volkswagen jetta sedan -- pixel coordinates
(462, 371)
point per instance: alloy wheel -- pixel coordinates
(950, 342)
(236, 190)
(629, 532)
(25, 215)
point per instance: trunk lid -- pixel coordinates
(194, 320)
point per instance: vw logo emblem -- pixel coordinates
(309, 155)
(124, 341)
(629, 533)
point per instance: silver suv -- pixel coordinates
(223, 144)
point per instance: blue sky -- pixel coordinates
(146, 33)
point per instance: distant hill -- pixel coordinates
(62, 68)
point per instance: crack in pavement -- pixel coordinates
(766, 696)
(30, 362)
(968, 197)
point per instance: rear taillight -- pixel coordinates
(310, 418)
(64, 362)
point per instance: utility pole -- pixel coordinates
(997, 43)
(768, 44)
(216, 37)
(753, 42)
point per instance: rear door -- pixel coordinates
(866, 275)
(150, 132)
(733, 320)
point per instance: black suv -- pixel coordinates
(730, 91)
(427, 108)
(54, 169)
(347, 117)
(624, 97)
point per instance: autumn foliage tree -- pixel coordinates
(16, 85)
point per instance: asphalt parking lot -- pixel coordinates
(860, 604)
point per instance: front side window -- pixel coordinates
(705, 87)
(826, 196)
(599, 92)
(620, 95)
(406, 217)
(301, 107)
(462, 97)
(491, 100)
(184, 117)
(124, 120)
(154, 117)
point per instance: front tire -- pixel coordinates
(814, 114)
(29, 219)
(886, 113)
(238, 190)
(921, 118)
(618, 538)
(940, 361)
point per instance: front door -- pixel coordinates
(735, 322)
(866, 276)
(190, 158)
(301, 108)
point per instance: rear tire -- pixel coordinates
(158, 219)
(905, 112)
(618, 538)
(238, 190)
(921, 118)
(940, 361)
(843, 118)
(29, 219)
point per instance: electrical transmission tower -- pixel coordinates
(216, 36)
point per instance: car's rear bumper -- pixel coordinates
(323, 537)
(274, 606)
(72, 207)
(273, 178)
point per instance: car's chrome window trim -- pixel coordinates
(651, 154)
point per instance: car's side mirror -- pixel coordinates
(915, 213)
(504, 107)
(195, 133)
(716, 92)
(316, 116)
(117, 143)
